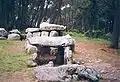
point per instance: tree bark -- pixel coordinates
(116, 26)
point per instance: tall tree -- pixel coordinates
(116, 27)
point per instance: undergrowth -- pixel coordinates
(81, 37)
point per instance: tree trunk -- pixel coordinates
(116, 27)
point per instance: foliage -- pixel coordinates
(81, 37)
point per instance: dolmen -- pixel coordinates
(51, 53)
(49, 43)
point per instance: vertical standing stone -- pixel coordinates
(53, 33)
(44, 33)
(36, 34)
(29, 35)
(67, 55)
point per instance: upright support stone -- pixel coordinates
(53, 33)
(31, 60)
(36, 34)
(44, 33)
(29, 35)
(30, 49)
(67, 55)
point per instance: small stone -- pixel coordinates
(89, 73)
(47, 26)
(53, 51)
(33, 56)
(67, 80)
(32, 30)
(103, 71)
(75, 77)
(31, 64)
(50, 64)
(77, 62)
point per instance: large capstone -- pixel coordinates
(51, 41)
(49, 27)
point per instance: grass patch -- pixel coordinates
(6, 43)
(81, 37)
(11, 61)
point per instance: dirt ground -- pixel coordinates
(98, 56)
(101, 57)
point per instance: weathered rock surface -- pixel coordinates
(66, 73)
(44, 33)
(47, 26)
(36, 34)
(32, 30)
(13, 37)
(53, 33)
(68, 55)
(89, 73)
(53, 51)
(3, 32)
(29, 35)
(52, 73)
(30, 49)
(2, 38)
(15, 31)
(51, 41)
(31, 63)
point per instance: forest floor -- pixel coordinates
(13, 67)
(99, 56)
